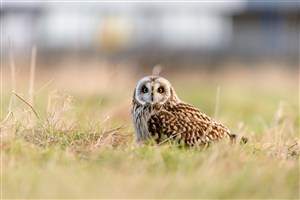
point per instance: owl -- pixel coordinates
(160, 116)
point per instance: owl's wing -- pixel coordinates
(185, 123)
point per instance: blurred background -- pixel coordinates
(101, 49)
(174, 34)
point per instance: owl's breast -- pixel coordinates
(141, 116)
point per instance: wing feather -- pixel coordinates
(187, 124)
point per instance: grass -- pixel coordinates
(74, 150)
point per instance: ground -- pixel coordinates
(80, 142)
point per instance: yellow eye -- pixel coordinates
(144, 89)
(160, 90)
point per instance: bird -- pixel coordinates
(160, 116)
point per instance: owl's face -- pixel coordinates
(153, 90)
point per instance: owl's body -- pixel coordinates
(159, 115)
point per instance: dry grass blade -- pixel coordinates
(217, 102)
(13, 73)
(168, 139)
(35, 94)
(42, 88)
(26, 103)
(156, 71)
(6, 118)
(32, 74)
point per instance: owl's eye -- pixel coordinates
(160, 90)
(144, 89)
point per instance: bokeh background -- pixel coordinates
(97, 52)
(174, 34)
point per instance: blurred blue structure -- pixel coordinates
(155, 31)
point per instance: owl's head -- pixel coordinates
(153, 90)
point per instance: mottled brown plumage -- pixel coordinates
(159, 115)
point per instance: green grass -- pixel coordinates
(218, 172)
(72, 151)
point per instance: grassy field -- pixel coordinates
(81, 143)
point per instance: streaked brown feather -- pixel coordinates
(191, 125)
